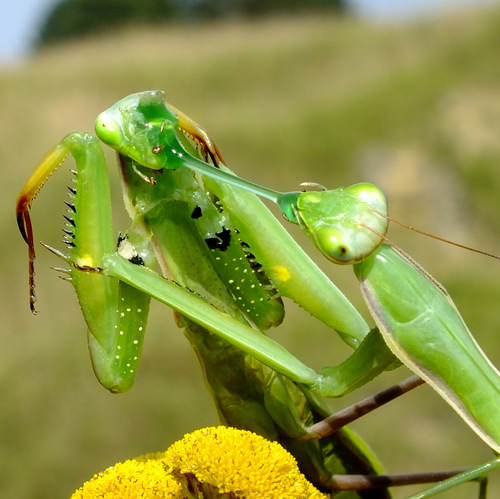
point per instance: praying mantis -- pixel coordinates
(226, 262)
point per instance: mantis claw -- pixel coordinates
(24, 224)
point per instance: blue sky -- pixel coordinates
(21, 19)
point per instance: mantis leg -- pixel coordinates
(115, 313)
(476, 473)
(336, 381)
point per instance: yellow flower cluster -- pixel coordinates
(240, 462)
(218, 462)
(144, 476)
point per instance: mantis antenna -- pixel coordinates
(437, 238)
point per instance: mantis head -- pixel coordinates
(153, 133)
(141, 127)
(332, 219)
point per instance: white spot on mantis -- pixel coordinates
(231, 281)
(140, 329)
(245, 271)
(139, 310)
(242, 280)
(119, 347)
(252, 286)
(252, 301)
(135, 342)
(238, 288)
(122, 314)
(237, 268)
(121, 333)
(128, 309)
(117, 356)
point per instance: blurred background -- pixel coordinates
(402, 94)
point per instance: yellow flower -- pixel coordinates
(211, 463)
(144, 476)
(239, 462)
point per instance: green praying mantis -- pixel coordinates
(226, 262)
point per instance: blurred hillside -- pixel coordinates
(77, 19)
(414, 108)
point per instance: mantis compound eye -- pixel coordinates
(335, 245)
(108, 131)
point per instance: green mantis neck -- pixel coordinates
(286, 201)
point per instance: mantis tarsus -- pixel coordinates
(196, 241)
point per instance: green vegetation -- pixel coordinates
(413, 108)
(72, 19)
(75, 19)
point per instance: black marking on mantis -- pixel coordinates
(197, 213)
(221, 242)
(126, 249)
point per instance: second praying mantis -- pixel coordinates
(197, 242)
